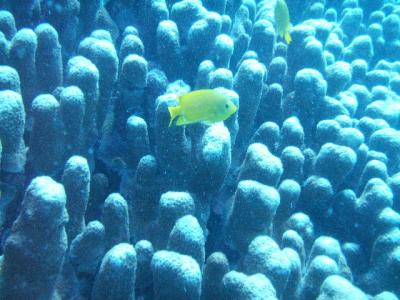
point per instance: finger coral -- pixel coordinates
(290, 192)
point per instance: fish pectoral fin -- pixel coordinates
(181, 121)
(183, 98)
(288, 38)
(208, 122)
(173, 112)
(211, 122)
(212, 118)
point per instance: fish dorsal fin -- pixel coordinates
(181, 121)
(181, 98)
(184, 97)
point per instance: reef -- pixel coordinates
(294, 197)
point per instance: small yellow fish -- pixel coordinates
(207, 106)
(282, 20)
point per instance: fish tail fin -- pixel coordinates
(288, 38)
(173, 112)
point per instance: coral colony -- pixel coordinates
(294, 195)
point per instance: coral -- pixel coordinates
(173, 205)
(295, 196)
(292, 133)
(320, 268)
(48, 59)
(264, 256)
(387, 141)
(236, 285)
(168, 47)
(261, 165)
(331, 248)
(213, 159)
(9, 79)
(187, 238)
(117, 273)
(292, 240)
(316, 197)
(385, 295)
(76, 180)
(336, 287)
(38, 240)
(115, 219)
(72, 111)
(248, 85)
(216, 267)
(85, 254)
(144, 252)
(142, 197)
(289, 193)
(82, 73)
(23, 58)
(253, 210)
(179, 272)
(99, 189)
(12, 123)
(295, 267)
(137, 140)
(338, 75)
(292, 161)
(45, 154)
(104, 56)
(7, 24)
(334, 162)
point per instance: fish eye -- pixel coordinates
(226, 106)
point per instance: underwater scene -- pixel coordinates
(199, 150)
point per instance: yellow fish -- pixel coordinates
(282, 20)
(207, 106)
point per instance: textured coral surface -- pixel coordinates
(294, 197)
